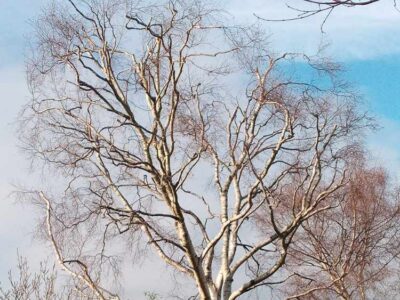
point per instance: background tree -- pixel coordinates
(27, 285)
(350, 252)
(46, 284)
(136, 105)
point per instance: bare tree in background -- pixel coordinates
(27, 285)
(46, 284)
(139, 105)
(349, 252)
(43, 284)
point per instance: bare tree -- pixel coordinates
(43, 284)
(139, 105)
(327, 6)
(27, 285)
(350, 252)
(46, 284)
(310, 8)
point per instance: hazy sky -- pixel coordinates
(366, 40)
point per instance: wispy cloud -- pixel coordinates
(384, 146)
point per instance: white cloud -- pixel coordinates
(384, 146)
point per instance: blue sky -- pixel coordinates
(365, 40)
(14, 29)
(379, 80)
